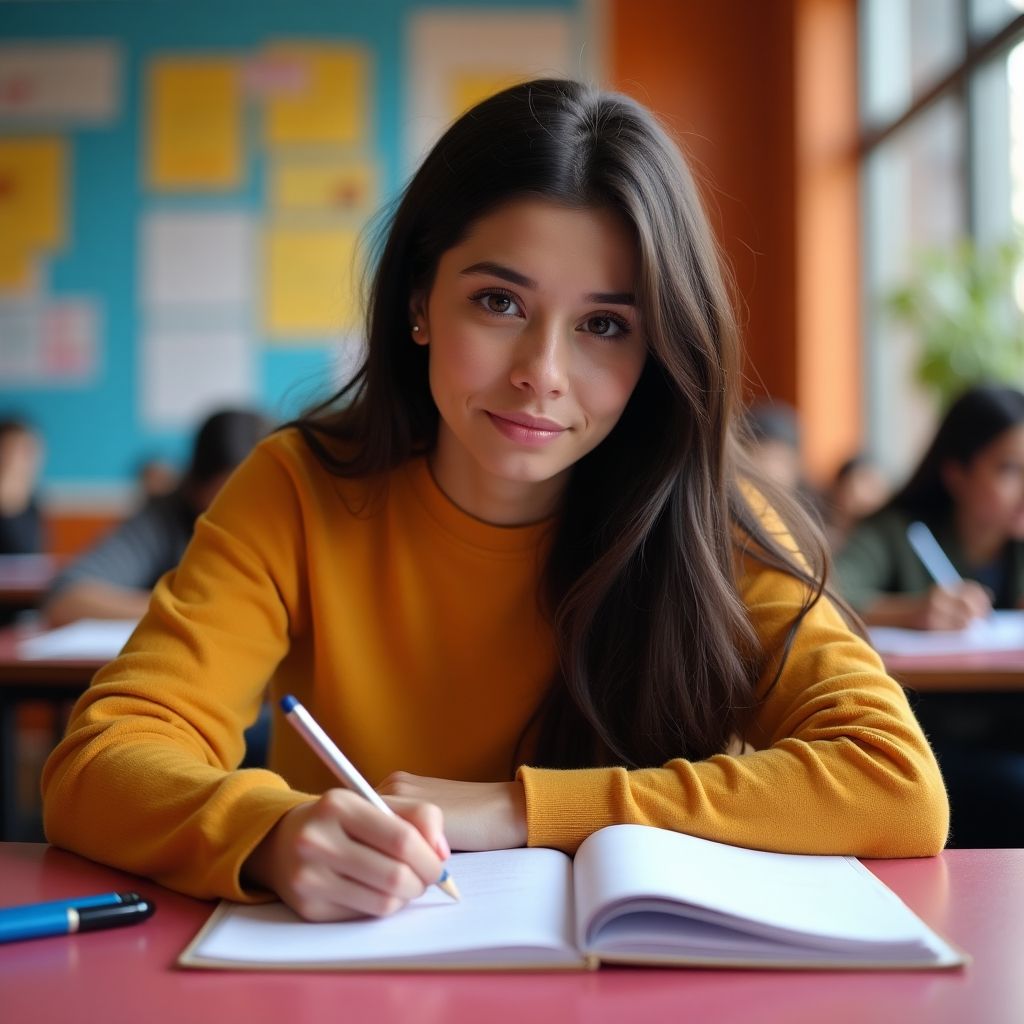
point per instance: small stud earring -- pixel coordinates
(416, 328)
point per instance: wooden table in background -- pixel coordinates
(998, 671)
(24, 580)
(53, 681)
(975, 898)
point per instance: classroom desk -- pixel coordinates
(24, 579)
(50, 680)
(1001, 671)
(974, 897)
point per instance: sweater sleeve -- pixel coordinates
(873, 560)
(145, 779)
(839, 765)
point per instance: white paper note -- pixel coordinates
(64, 83)
(188, 372)
(197, 261)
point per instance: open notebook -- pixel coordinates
(1001, 630)
(633, 895)
(85, 640)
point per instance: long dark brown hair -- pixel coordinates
(657, 658)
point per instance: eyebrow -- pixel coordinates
(514, 277)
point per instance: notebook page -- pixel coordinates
(1001, 630)
(86, 639)
(814, 896)
(657, 937)
(512, 900)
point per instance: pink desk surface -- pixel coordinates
(974, 897)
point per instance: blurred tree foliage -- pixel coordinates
(960, 303)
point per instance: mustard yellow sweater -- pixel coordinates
(411, 632)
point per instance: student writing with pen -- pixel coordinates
(519, 569)
(968, 491)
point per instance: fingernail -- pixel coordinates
(444, 851)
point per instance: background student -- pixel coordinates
(969, 489)
(774, 441)
(154, 477)
(514, 568)
(21, 454)
(858, 489)
(113, 579)
(772, 431)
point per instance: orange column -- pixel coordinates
(762, 96)
(720, 75)
(829, 384)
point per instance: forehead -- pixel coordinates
(592, 247)
(1008, 445)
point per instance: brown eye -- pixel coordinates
(498, 303)
(605, 326)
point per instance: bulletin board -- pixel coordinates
(184, 189)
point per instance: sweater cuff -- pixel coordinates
(563, 807)
(252, 818)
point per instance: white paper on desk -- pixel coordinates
(1000, 631)
(512, 900)
(85, 640)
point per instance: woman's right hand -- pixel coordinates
(951, 608)
(339, 857)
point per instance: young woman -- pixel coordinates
(515, 568)
(969, 489)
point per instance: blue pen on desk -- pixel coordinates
(326, 749)
(67, 917)
(935, 560)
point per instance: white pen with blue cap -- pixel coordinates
(327, 750)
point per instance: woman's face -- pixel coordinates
(989, 490)
(535, 347)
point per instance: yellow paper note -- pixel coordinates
(331, 107)
(17, 269)
(467, 88)
(323, 183)
(33, 195)
(310, 282)
(194, 124)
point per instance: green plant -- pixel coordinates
(959, 301)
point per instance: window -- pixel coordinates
(942, 112)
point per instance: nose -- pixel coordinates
(541, 362)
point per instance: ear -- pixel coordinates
(418, 318)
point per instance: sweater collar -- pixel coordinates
(460, 524)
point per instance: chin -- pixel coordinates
(529, 475)
(527, 471)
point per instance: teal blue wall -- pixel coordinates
(94, 433)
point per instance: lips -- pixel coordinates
(525, 430)
(522, 419)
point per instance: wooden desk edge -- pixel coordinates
(958, 680)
